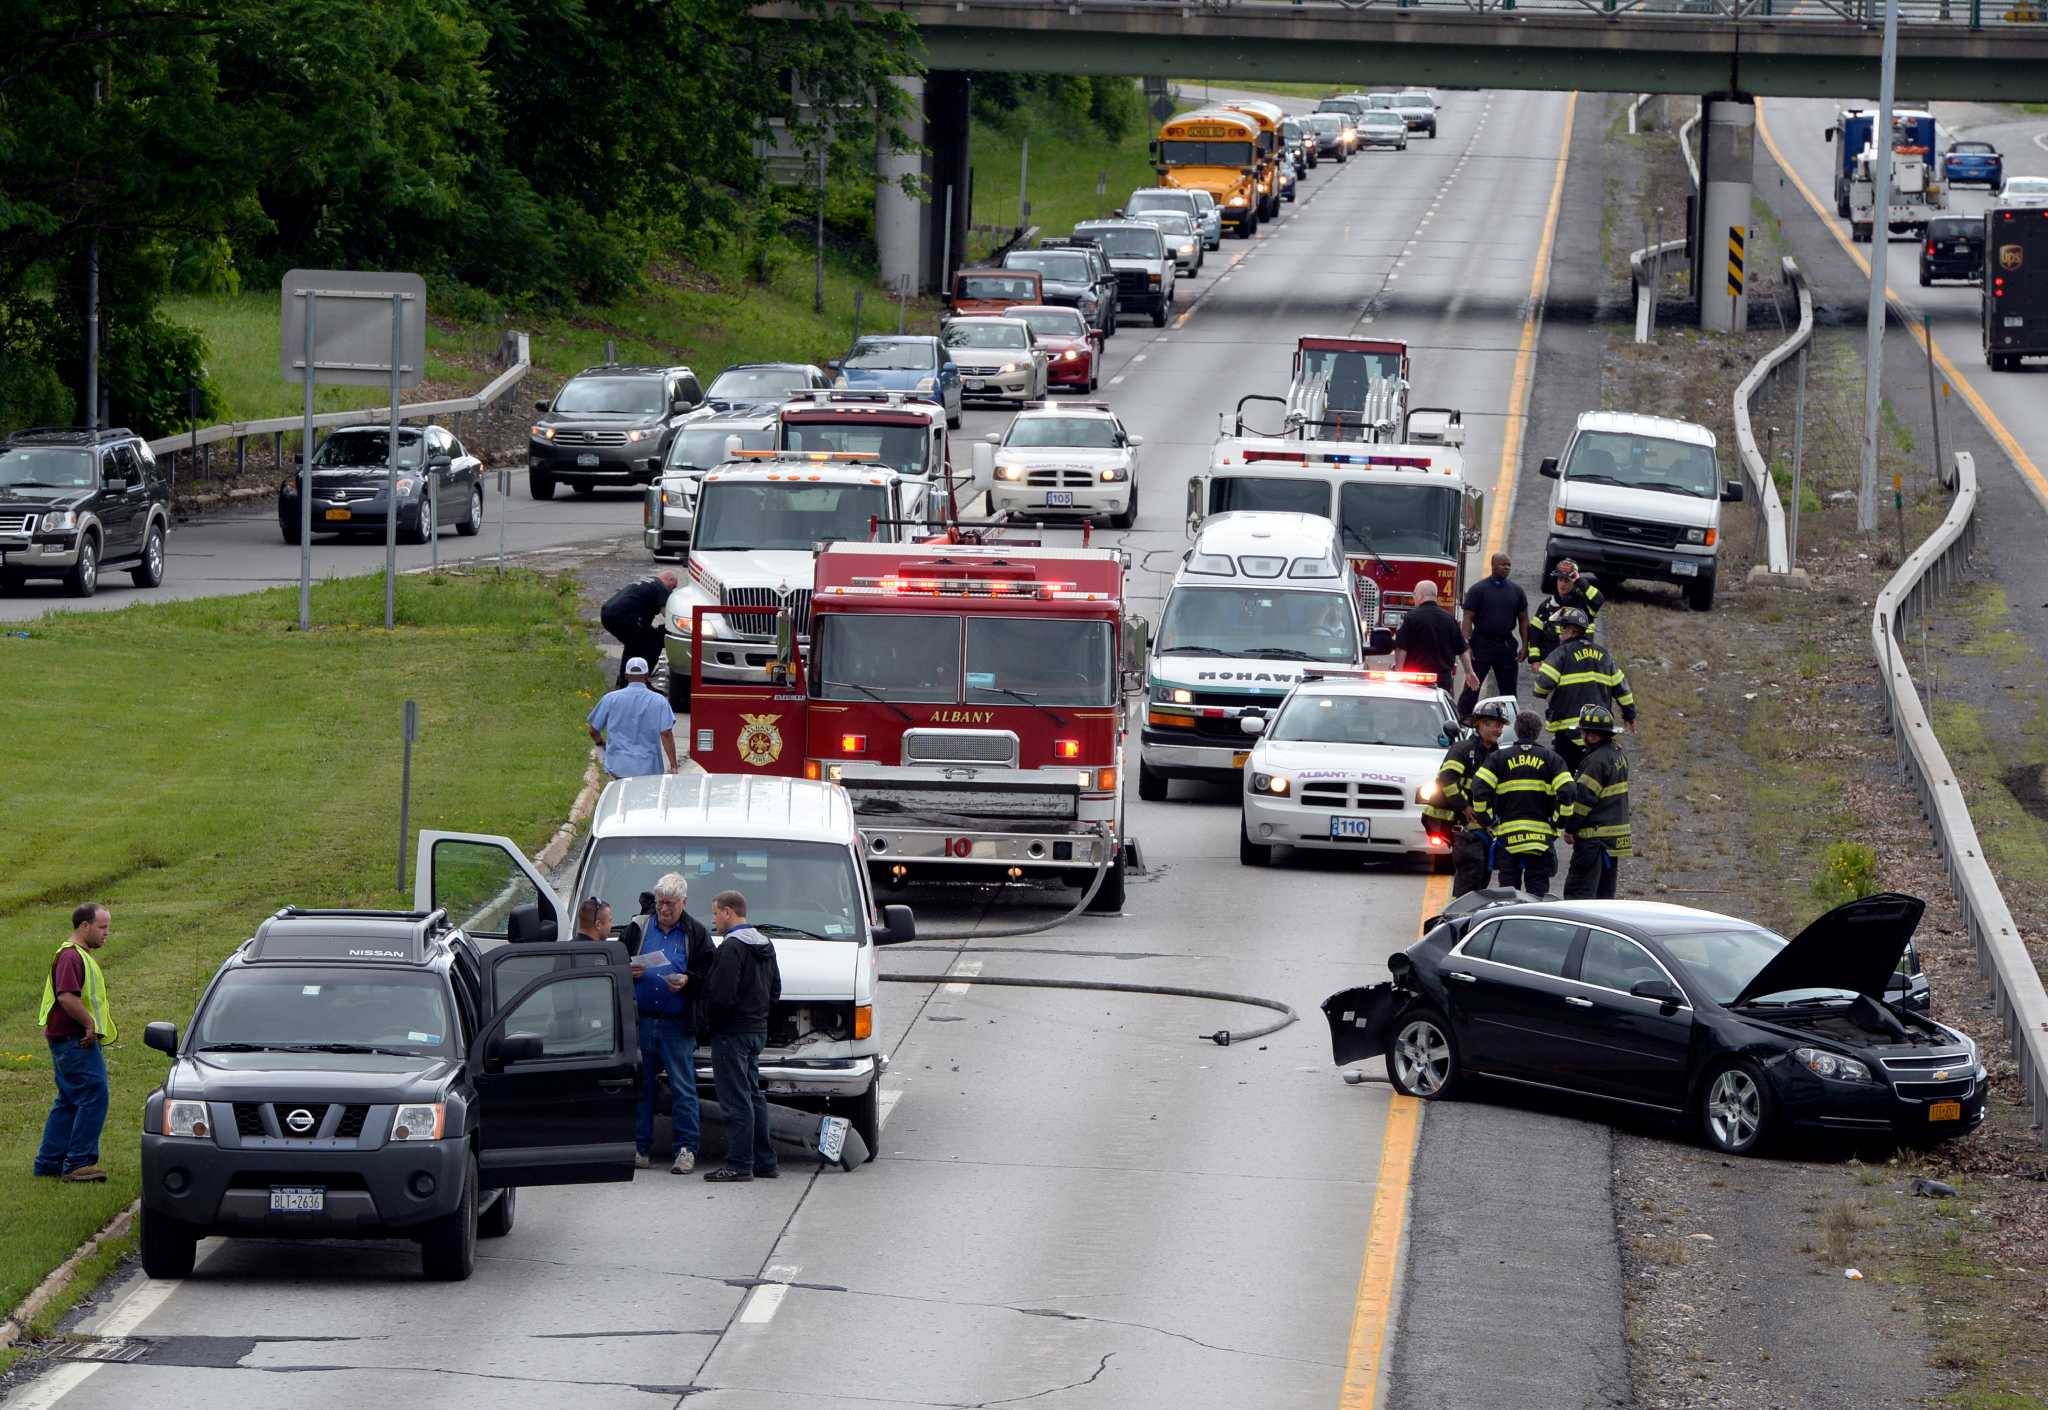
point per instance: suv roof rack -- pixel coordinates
(72, 433)
(312, 934)
(644, 368)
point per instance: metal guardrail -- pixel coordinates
(1777, 557)
(1692, 161)
(514, 352)
(1923, 15)
(2016, 988)
(1635, 106)
(1646, 277)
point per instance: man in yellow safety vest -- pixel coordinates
(77, 1023)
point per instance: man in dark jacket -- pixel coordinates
(1520, 794)
(1449, 814)
(1497, 628)
(1569, 588)
(1598, 824)
(633, 614)
(743, 983)
(1429, 640)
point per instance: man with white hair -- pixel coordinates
(1429, 640)
(675, 950)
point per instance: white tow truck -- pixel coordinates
(1917, 194)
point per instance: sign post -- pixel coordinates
(410, 725)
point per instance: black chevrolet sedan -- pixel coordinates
(1703, 1016)
(351, 480)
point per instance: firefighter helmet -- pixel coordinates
(1573, 617)
(1597, 717)
(1566, 568)
(1493, 710)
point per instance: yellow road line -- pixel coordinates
(2030, 471)
(1525, 355)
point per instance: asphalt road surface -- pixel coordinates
(1078, 1203)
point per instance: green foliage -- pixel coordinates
(1848, 872)
(1075, 104)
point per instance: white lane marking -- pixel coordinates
(128, 1314)
(1117, 381)
(135, 1308)
(2040, 140)
(1139, 358)
(51, 1387)
(969, 968)
(762, 1306)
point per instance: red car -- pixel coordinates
(1073, 350)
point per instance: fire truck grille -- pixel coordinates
(758, 626)
(960, 746)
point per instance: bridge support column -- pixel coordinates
(899, 216)
(945, 135)
(1721, 268)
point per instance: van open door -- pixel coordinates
(487, 887)
(748, 727)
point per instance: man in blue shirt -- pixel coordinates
(675, 949)
(636, 727)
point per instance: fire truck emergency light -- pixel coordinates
(1066, 748)
(853, 744)
(1302, 457)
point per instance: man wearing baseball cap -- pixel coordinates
(635, 726)
(1570, 588)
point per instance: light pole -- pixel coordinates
(1880, 242)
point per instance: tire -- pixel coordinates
(1924, 280)
(1109, 897)
(472, 523)
(448, 1246)
(952, 421)
(168, 1245)
(1129, 517)
(82, 579)
(149, 572)
(423, 525)
(1699, 594)
(1343, 157)
(540, 485)
(1736, 1110)
(678, 691)
(866, 1115)
(1159, 311)
(1250, 853)
(496, 1220)
(1151, 784)
(1423, 1061)
(290, 531)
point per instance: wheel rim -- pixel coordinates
(476, 508)
(156, 553)
(88, 565)
(1734, 1108)
(1422, 1057)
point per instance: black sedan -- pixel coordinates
(351, 485)
(1666, 1008)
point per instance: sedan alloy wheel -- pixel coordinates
(1424, 1060)
(1733, 1111)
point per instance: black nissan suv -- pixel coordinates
(72, 502)
(378, 1074)
(608, 425)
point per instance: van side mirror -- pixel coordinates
(994, 438)
(1547, 467)
(1731, 493)
(526, 925)
(981, 462)
(164, 1036)
(898, 925)
(1137, 645)
(1195, 484)
(1136, 441)
(1252, 724)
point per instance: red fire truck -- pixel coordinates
(968, 697)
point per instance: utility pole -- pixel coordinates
(92, 303)
(1880, 241)
(818, 291)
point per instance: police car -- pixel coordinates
(1071, 459)
(1342, 765)
(380, 1074)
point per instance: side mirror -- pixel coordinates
(1380, 641)
(164, 1036)
(1252, 724)
(898, 925)
(1897, 984)
(439, 462)
(681, 403)
(525, 925)
(1195, 491)
(994, 438)
(946, 297)
(540, 406)
(1137, 644)
(1731, 493)
(1547, 467)
(514, 1047)
(1152, 148)
(981, 463)
(1662, 990)
(1137, 441)
(1474, 529)
(785, 645)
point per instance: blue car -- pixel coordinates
(1973, 164)
(915, 363)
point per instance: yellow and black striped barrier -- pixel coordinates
(1735, 237)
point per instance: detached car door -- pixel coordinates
(556, 1065)
(487, 887)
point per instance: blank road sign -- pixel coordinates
(352, 327)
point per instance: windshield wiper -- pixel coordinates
(1282, 653)
(1030, 700)
(238, 1048)
(1592, 478)
(874, 695)
(1663, 488)
(350, 1048)
(779, 929)
(1365, 537)
(1201, 648)
(32, 485)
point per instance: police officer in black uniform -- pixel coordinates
(1497, 626)
(633, 614)
(1449, 814)
(1597, 823)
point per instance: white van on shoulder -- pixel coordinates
(1260, 599)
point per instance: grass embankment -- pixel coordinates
(1068, 154)
(196, 765)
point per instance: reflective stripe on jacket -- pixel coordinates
(1453, 779)
(95, 995)
(1579, 673)
(1599, 811)
(1543, 635)
(1520, 793)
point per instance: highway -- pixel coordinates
(1078, 1203)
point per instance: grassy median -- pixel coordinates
(196, 765)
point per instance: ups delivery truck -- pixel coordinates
(2015, 300)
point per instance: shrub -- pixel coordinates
(1848, 872)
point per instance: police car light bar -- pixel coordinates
(1404, 677)
(1355, 673)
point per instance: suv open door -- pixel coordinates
(556, 1064)
(487, 886)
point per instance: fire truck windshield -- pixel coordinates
(802, 886)
(1227, 492)
(758, 514)
(1359, 719)
(918, 658)
(1395, 519)
(905, 448)
(1285, 623)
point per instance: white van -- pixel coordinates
(1259, 600)
(1639, 497)
(789, 845)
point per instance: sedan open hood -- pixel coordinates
(1855, 946)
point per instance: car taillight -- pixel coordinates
(1930, 247)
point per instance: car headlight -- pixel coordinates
(541, 433)
(1571, 518)
(926, 384)
(1831, 1065)
(1428, 792)
(1695, 535)
(1006, 369)
(1071, 355)
(1188, 248)
(635, 437)
(1009, 472)
(419, 1121)
(405, 485)
(186, 1119)
(1172, 695)
(1112, 474)
(1153, 278)
(58, 522)
(1276, 784)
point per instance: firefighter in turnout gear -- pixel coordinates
(1568, 589)
(1597, 821)
(1519, 795)
(1578, 673)
(1448, 813)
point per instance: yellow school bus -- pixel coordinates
(1217, 152)
(1268, 117)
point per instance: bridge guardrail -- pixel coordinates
(1923, 15)
(2016, 988)
(1777, 559)
(1646, 277)
(514, 352)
